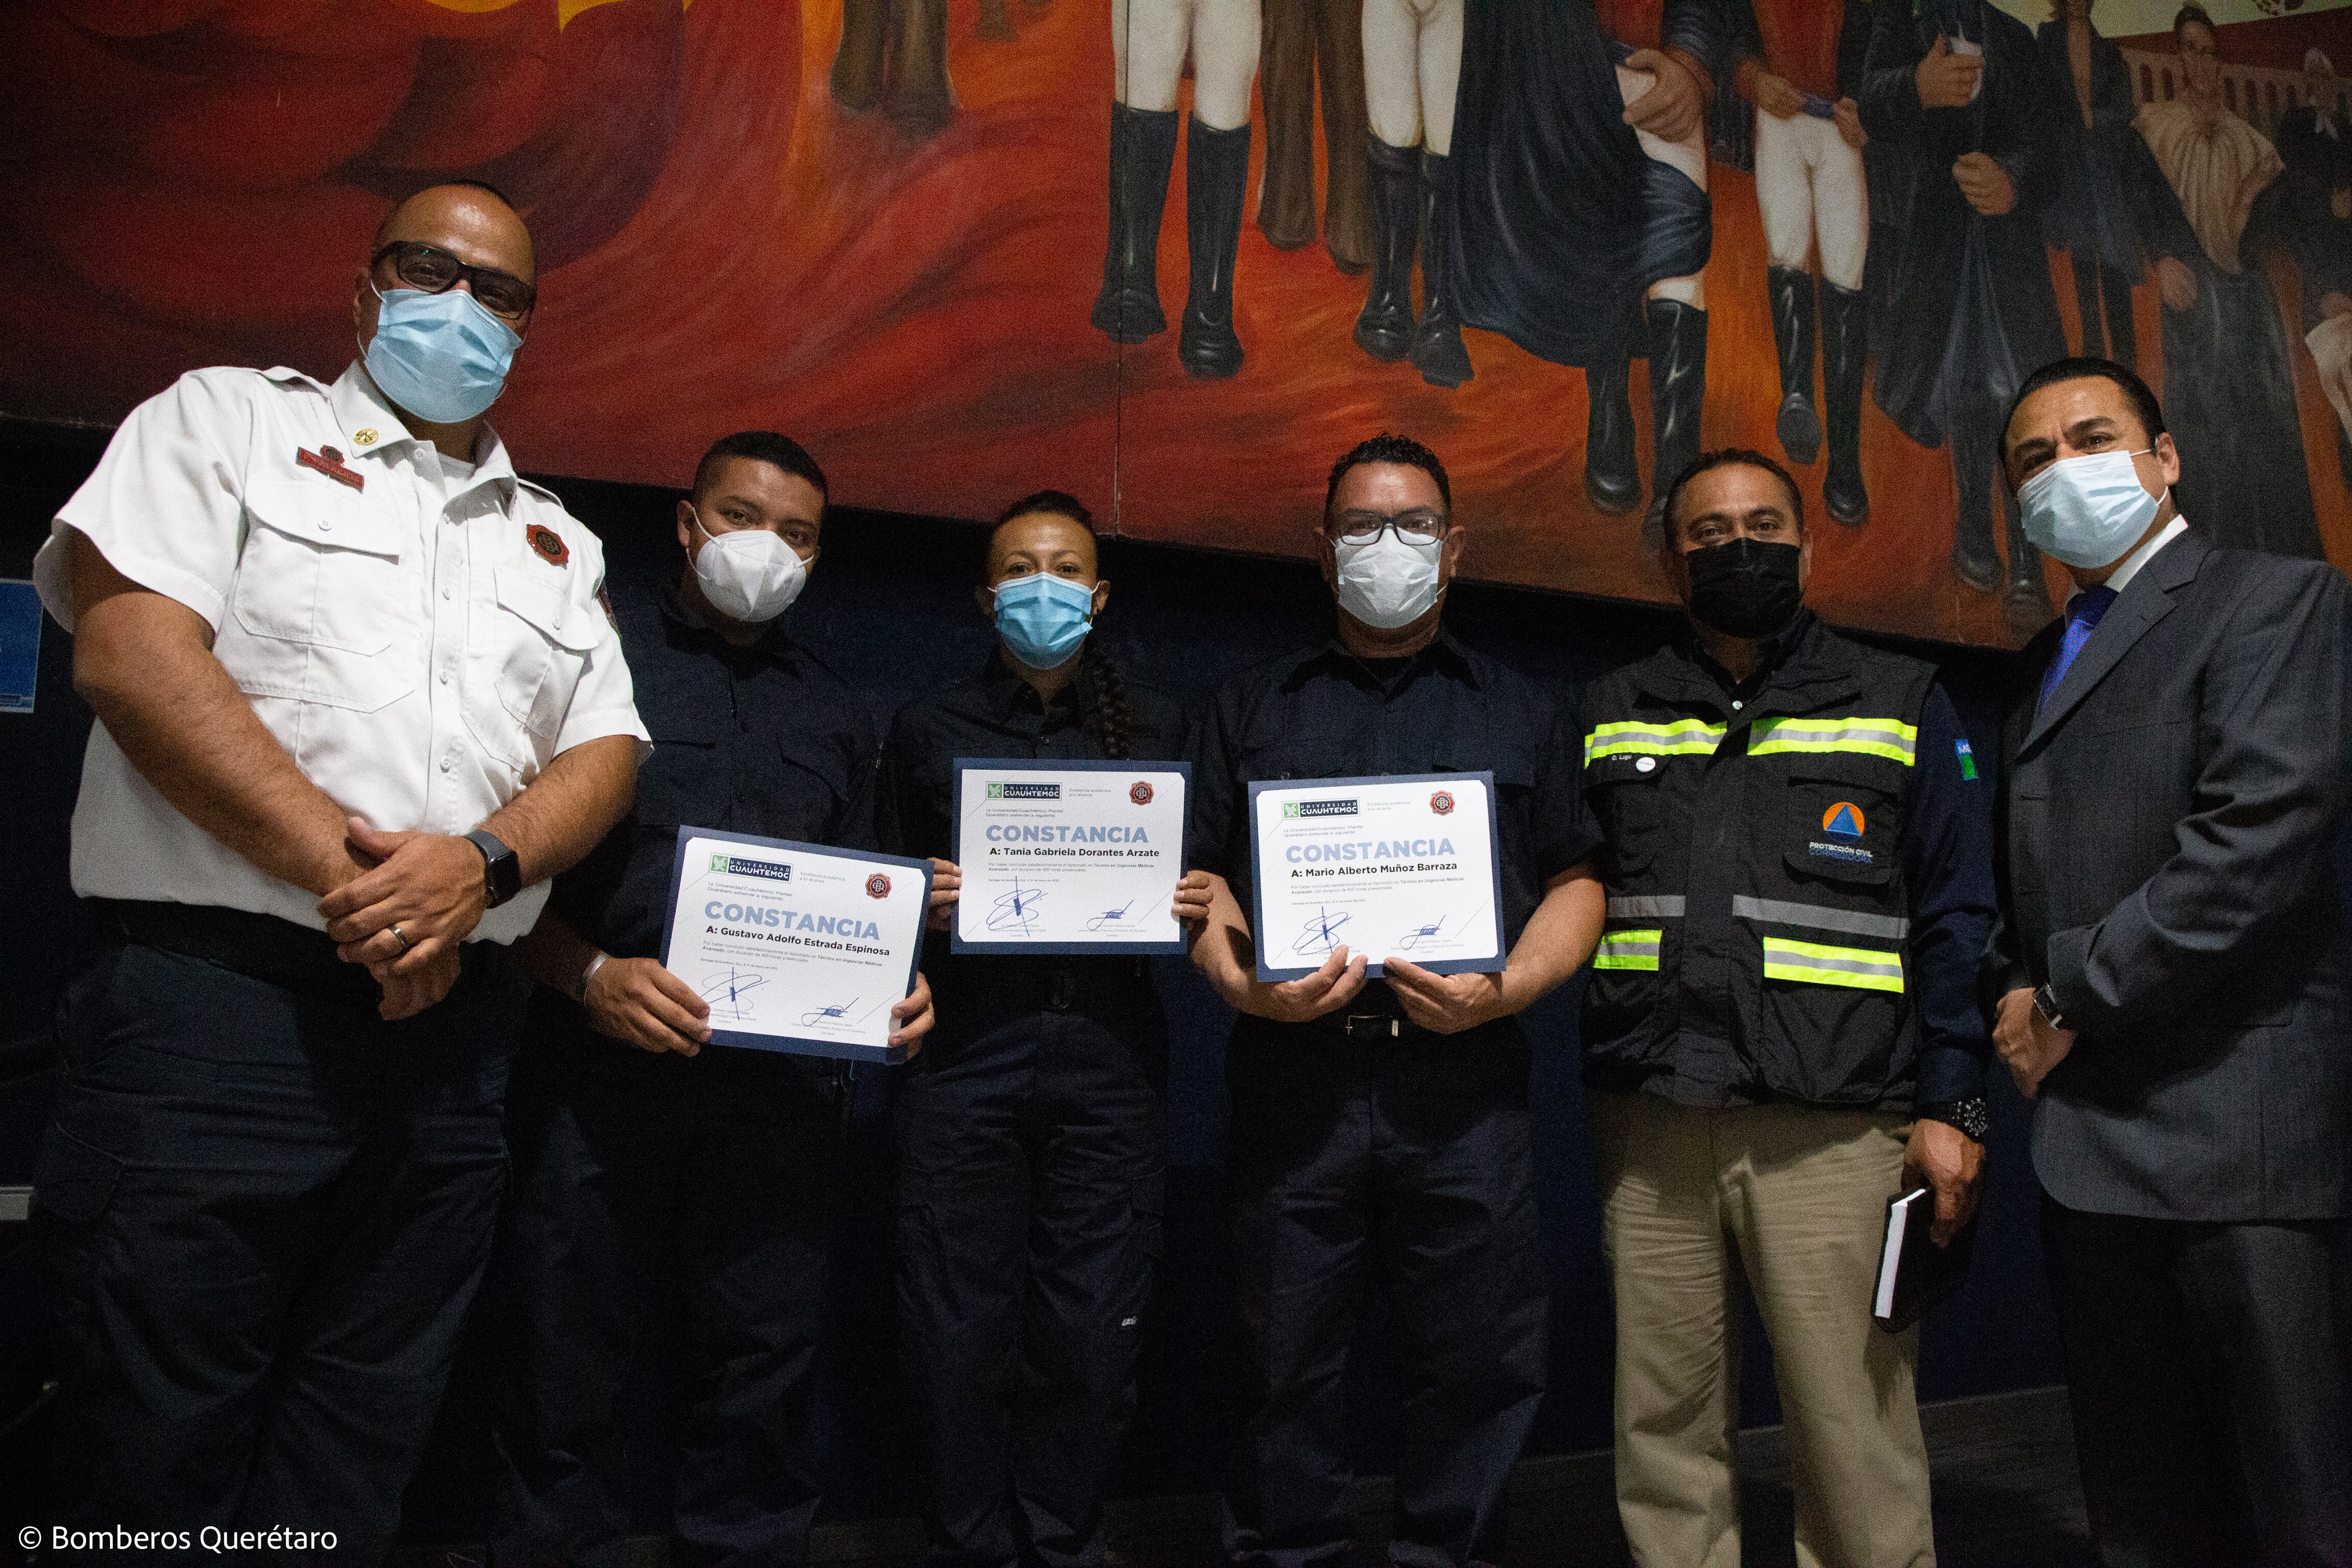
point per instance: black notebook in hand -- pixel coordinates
(1914, 1273)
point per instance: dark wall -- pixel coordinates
(891, 607)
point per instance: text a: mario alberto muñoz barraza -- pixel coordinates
(1371, 855)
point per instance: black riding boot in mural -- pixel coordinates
(857, 61)
(894, 52)
(1677, 388)
(1438, 349)
(1800, 427)
(1611, 481)
(1845, 359)
(2026, 604)
(1142, 151)
(1216, 180)
(1974, 559)
(1384, 327)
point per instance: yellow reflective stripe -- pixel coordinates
(1889, 738)
(1816, 963)
(1678, 738)
(1629, 950)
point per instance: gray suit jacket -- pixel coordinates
(2166, 848)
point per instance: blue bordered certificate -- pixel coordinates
(796, 947)
(1404, 866)
(1068, 857)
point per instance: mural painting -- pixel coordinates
(1173, 254)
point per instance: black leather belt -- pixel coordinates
(1370, 1026)
(263, 947)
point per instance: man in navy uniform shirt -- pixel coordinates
(1380, 1128)
(662, 1191)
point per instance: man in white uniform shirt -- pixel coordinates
(357, 701)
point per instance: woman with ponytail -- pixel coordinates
(1029, 1129)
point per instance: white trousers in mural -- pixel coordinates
(1809, 185)
(1689, 155)
(1413, 63)
(1148, 41)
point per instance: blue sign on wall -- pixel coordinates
(20, 645)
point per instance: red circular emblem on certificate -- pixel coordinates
(1139, 793)
(1441, 804)
(878, 885)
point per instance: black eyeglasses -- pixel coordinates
(436, 272)
(1418, 526)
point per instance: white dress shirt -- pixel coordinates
(421, 643)
(2120, 578)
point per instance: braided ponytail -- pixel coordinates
(1102, 688)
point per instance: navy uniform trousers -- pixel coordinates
(264, 1212)
(1030, 1181)
(1396, 1169)
(668, 1211)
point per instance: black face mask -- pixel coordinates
(1746, 588)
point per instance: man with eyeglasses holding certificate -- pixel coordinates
(1380, 1136)
(357, 701)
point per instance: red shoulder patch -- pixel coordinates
(547, 543)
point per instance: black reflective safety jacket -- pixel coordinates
(1759, 916)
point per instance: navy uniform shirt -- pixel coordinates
(1325, 713)
(762, 739)
(1000, 715)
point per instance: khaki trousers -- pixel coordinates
(1792, 1200)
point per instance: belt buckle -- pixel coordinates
(1374, 1020)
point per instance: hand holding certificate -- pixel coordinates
(1400, 866)
(796, 947)
(1068, 857)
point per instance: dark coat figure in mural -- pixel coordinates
(1312, 44)
(1955, 87)
(2228, 387)
(1801, 65)
(1150, 40)
(2103, 178)
(1567, 219)
(895, 53)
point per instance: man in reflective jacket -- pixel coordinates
(1783, 1027)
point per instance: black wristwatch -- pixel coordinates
(2045, 1002)
(502, 867)
(1972, 1115)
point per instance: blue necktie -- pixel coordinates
(2090, 606)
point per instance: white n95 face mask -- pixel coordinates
(2089, 510)
(1388, 580)
(749, 574)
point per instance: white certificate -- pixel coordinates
(796, 947)
(1398, 866)
(1077, 856)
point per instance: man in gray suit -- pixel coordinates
(2174, 988)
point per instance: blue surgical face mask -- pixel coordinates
(1044, 618)
(443, 357)
(2089, 510)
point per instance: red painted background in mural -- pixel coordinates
(190, 182)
